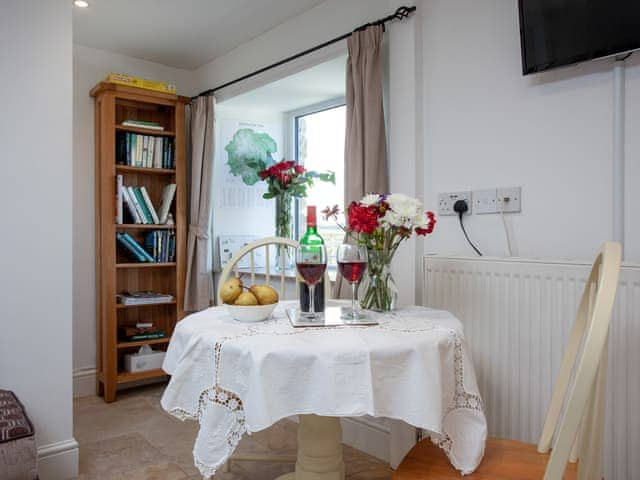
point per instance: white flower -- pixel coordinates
(392, 219)
(405, 206)
(420, 220)
(370, 199)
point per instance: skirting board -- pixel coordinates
(84, 382)
(366, 437)
(58, 461)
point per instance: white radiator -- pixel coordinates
(517, 314)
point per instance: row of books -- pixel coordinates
(141, 331)
(137, 150)
(159, 246)
(139, 206)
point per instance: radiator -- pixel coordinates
(517, 314)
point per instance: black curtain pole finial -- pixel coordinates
(400, 14)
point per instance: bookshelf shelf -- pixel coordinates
(125, 377)
(146, 131)
(145, 170)
(146, 265)
(120, 306)
(155, 341)
(115, 272)
(144, 226)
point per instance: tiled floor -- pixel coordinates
(133, 438)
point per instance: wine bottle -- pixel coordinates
(310, 238)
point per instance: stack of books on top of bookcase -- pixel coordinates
(147, 151)
(139, 207)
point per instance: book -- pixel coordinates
(119, 199)
(121, 148)
(138, 207)
(129, 336)
(149, 204)
(144, 325)
(138, 248)
(131, 208)
(143, 298)
(129, 249)
(157, 152)
(143, 205)
(168, 192)
(143, 124)
(124, 79)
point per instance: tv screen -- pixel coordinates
(560, 32)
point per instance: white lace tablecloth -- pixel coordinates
(236, 377)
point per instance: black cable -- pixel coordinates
(460, 207)
(467, 236)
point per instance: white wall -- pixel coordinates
(485, 125)
(36, 194)
(89, 67)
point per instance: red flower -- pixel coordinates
(299, 169)
(430, 226)
(363, 219)
(264, 174)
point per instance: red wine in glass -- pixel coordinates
(311, 272)
(352, 271)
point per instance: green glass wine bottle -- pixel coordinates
(310, 238)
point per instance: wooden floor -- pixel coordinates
(134, 439)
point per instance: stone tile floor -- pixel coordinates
(134, 439)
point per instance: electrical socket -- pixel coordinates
(485, 201)
(513, 205)
(446, 201)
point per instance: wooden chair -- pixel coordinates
(579, 395)
(270, 244)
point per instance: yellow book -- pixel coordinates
(123, 79)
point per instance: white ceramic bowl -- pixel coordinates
(250, 313)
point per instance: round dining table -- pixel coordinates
(237, 378)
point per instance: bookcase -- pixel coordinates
(115, 271)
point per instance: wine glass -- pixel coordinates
(311, 263)
(352, 262)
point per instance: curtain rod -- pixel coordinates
(400, 14)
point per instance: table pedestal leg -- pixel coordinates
(319, 450)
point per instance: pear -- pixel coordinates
(231, 290)
(246, 298)
(265, 294)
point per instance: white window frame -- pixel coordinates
(291, 147)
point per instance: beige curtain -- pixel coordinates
(365, 151)
(199, 282)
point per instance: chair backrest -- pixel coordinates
(270, 271)
(580, 386)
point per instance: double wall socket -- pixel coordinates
(446, 201)
(494, 200)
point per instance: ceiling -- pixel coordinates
(317, 84)
(184, 34)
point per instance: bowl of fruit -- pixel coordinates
(248, 304)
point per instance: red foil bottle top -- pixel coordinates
(311, 216)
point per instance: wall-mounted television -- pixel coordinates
(561, 32)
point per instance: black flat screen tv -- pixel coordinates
(561, 32)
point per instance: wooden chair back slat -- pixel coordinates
(579, 390)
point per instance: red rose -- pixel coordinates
(299, 169)
(264, 174)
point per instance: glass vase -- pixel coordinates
(284, 229)
(380, 289)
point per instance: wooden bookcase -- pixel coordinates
(116, 273)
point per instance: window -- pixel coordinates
(318, 144)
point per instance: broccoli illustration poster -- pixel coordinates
(243, 146)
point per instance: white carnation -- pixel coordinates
(370, 199)
(391, 218)
(404, 206)
(421, 220)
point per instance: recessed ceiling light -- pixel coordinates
(81, 3)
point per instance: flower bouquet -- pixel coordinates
(381, 223)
